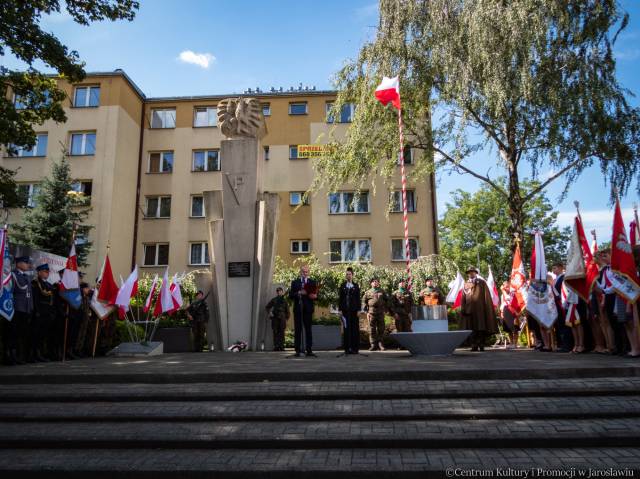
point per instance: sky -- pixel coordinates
(198, 47)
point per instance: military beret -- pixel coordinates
(43, 267)
(23, 259)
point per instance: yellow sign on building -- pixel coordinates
(312, 151)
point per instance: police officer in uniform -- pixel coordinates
(198, 313)
(44, 314)
(375, 303)
(279, 315)
(18, 341)
(400, 307)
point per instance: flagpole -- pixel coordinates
(95, 337)
(405, 216)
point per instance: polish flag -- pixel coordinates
(582, 270)
(108, 291)
(455, 291)
(622, 261)
(70, 277)
(127, 291)
(389, 91)
(176, 294)
(518, 282)
(164, 304)
(491, 282)
(152, 291)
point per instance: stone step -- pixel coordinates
(330, 463)
(319, 390)
(482, 433)
(338, 409)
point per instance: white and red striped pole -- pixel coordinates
(405, 216)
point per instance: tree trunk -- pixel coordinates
(515, 206)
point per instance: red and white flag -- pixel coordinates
(455, 291)
(594, 243)
(518, 283)
(152, 292)
(70, 277)
(164, 304)
(108, 291)
(491, 282)
(627, 284)
(176, 294)
(582, 271)
(127, 291)
(389, 91)
(540, 301)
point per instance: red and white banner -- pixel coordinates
(518, 283)
(152, 292)
(581, 270)
(70, 277)
(491, 282)
(164, 303)
(455, 291)
(389, 91)
(108, 291)
(540, 301)
(127, 291)
(622, 262)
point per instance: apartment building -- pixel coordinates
(143, 164)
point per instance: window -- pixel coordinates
(163, 118)
(298, 108)
(297, 198)
(408, 155)
(161, 162)
(398, 250)
(39, 149)
(204, 116)
(293, 152)
(18, 103)
(156, 254)
(199, 253)
(81, 239)
(206, 160)
(83, 190)
(86, 96)
(266, 109)
(197, 206)
(27, 193)
(347, 202)
(346, 112)
(396, 201)
(266, 153)
(83, 143)
(299, 246)
(345, 251)
(158, 207)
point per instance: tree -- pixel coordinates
(48, 226)
(526, 82)
(38, 97)
(477, 225)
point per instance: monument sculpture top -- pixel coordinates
(241, 117)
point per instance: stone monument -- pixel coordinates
(241, 220)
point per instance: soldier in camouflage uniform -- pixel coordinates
(400, 308)
(198, 314)
(375, 303)
(279, 316)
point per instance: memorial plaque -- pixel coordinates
(239, 269)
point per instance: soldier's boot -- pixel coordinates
(381, 346)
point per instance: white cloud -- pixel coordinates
(203, 60)
(631, 54)
(599, 220)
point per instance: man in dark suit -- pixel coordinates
(303, 292)
(349, 306)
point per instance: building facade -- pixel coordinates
(143, 164)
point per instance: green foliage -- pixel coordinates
(49, 225)
(477, 223)
(330, 278)
(22, 35)
(525, 82)
(8, 188)
(188, 290)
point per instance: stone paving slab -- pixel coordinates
(325, 463)
(323, 434)
(387, 365)
(303, 409)
(319, 390)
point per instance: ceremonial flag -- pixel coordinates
(152, 291)
(570, 302)
(176, 294)
(634, 228)
(540, 301)
(6, 298)
(594, 243)
(518, 283)
(108, 291)
(627, 283)
(127, 291)
(70, 283)
(455, 291)
(581, 271)
(164, 303)
(389, 91)
(495, 297)
(102, 310)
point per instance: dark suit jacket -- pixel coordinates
(307, 303)
(349, 298)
